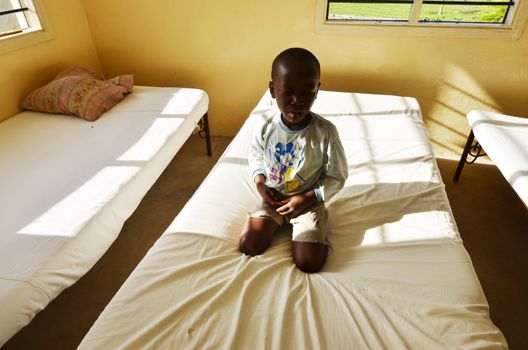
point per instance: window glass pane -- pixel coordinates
(9, 5)
(369, 11)
(12, 21)
(463, 13)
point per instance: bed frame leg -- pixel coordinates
(463, 158)
(203, 131)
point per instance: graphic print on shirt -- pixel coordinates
(285, 159)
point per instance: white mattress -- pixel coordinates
(68, 185)
(397, 276)
(505, 140)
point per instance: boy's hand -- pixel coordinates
(268, 194)
(297, 204)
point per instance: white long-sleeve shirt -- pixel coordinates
(296, 161)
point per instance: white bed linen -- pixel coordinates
(397, 276)
(505, 140)
(68, 185)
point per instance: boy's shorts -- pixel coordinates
(308, 227)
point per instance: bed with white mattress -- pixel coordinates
(504, 138)
(397, 275)
(68, 185)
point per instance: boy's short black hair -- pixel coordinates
(298, 55)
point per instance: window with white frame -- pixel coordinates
(416, 12)
(22, 23)
(503, 19)
(16, 17)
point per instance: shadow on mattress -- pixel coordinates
(371, 215)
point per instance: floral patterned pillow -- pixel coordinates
(78, 71)
(80, 92)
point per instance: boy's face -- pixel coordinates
(295, 88)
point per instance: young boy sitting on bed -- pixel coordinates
(297, 163)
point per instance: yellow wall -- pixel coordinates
(226, 48)
(25, 69)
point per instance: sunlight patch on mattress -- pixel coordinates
(153, 140)
(70, 215)
(180, 102)
(411, 227)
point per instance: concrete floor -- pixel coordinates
(491, 219)
(493, 223)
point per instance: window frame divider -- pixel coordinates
(8, 12)
(415, 12)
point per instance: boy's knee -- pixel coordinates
(250, 246)
(308, 266)
(309, 257)
(257, 235)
